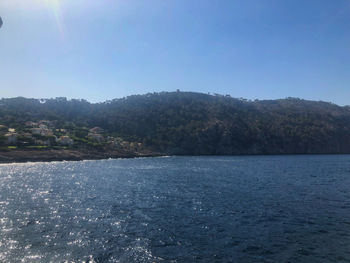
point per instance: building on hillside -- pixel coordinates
(12, 130)
(132, 146)
(27, 135)
(65, 140)
(96, 137)
(96, 130)
(31, 124)
(125, 145)
(114, 143)
(42, 131)
(43, 126)
(46, 132)
(61, 130)
(135, 146)
(45, 122)
(11, 138)
(36, 131)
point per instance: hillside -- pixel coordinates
(182, 123)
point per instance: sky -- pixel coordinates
(105, 49)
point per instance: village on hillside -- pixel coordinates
(44, 134)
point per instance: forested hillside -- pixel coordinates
(184, 123)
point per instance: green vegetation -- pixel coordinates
(38, 147)
(11, 147)
(184, 123)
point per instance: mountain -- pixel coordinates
(187, 123)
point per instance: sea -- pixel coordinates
(177, 209)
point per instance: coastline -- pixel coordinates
(60, 155)
(23, 156)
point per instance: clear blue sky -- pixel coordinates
(104, 49)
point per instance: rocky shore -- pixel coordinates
(20, 156)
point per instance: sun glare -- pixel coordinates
(54, 7)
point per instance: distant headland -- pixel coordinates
(169, 123)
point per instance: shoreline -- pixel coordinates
(54, 155)
(61, 155)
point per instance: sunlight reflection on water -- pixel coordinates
(177, 209)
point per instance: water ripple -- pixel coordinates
(177, 209)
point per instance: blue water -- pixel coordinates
(177, 209)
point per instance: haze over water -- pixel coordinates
(177, 209)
